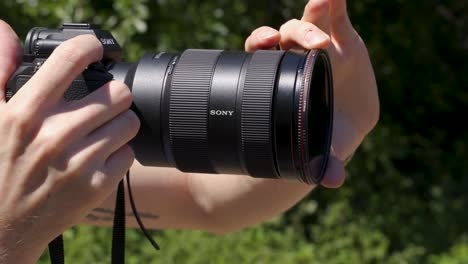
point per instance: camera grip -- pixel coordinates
(95, 76)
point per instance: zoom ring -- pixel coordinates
(256, 119)
(188, 109)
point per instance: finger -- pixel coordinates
(262, 38)
(335, 174)
(118, 164)
(340, 23)
(68, 60)
(296, 33)
(109, 138)
(105, 181)
(10, 55)
(317, 12)
(77, 119)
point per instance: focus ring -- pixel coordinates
(256, 118)
(188, 109)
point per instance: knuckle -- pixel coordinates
(98, 181)
(70, 51)
(17, 120)
(120, 161)
(50, 143)
(91, 40)
(294, 21)
(128, 154)
(46, 151)
(81, 50)
(81, 164)
(126, 157)
(122, 93)
(53, 183)
(94, 45)
(75, 168)
(288, 26)
(133, 121)
(282, 28)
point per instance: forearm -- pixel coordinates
(161, 198)
(167, 198)
(234, 201)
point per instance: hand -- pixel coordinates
(58, 160)
(325, 24)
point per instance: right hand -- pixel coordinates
(58, 160)
(326, 24)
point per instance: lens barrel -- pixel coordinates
(266, 114)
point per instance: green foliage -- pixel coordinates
(404, 200)
(458, 254)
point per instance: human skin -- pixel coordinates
(60, 184)
(58, 160)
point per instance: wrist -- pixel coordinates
(20, 254)
(19, 248)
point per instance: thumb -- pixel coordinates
(340, 23)
(10, 55)
(335, 174)
(317, 12)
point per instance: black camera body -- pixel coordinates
(41, 42)
(266, 114)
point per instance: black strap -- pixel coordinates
(118, 232)
(56, 251)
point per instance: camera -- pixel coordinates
(266, 114)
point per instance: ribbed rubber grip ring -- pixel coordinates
(256, 119)
(188, 109)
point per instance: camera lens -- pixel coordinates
(266, 114)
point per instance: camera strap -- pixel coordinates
(56, 249)
(118, 231)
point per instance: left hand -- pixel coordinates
(58, 159)
(326, 24)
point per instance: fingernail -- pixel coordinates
(266, 34)
(315, 37)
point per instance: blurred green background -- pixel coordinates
(405, 198)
